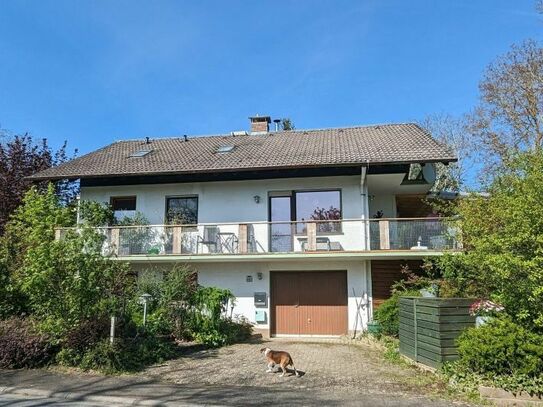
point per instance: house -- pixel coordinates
(308, 228)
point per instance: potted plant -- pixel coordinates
(430, 291)
(484, 311)
(374, 327)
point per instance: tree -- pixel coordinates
(20, 157)
(451, 131)
(503, 238)
(509, 117)
(61, 282)
(287, 125)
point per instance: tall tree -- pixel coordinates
(509, 117)
(451, 131)
(21, 156)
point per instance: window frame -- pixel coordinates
(167, 199)
(113, 198)
(293, 207)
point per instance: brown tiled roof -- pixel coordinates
(380, 144)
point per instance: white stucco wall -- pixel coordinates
(385, 203)
(233, 277)
(233, 201)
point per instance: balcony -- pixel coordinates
(425, 235)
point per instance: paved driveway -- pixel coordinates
(342, 370)
(336, 374)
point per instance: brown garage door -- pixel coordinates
(309, 302)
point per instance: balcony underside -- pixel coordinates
(265, 257)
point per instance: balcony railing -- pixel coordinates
(352, 235)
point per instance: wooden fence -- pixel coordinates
(430, 326)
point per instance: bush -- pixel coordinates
(87, 333)
(124, 355)
(388, 313)
(501, 347)
(225, 332)
(22, 346)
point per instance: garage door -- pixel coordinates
(309, 302)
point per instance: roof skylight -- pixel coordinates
(140, 153)
(224, 149)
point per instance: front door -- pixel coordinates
(309, 302)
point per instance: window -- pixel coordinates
(182, 210)
(140, 153)
(123, 206)
(321, 206)
(224, 149)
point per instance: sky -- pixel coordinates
(92, 72)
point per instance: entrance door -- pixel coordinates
(281, 234)
(309, 302)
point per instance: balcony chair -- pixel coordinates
(210, 239)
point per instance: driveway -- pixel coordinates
(342, 369)
(334, 374)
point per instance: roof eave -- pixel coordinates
(38, 178)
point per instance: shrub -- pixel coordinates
(87, 333)
(127, 354)
(224, 332)
(22, 346)
(388, 313)
(501, 347)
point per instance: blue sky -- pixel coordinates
(92, 72)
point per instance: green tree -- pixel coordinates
(503, 238)
(61, 282)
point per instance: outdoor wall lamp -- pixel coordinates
(256, 198)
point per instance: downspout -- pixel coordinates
(365, 205)
(78, 218)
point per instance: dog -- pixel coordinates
(283, 359)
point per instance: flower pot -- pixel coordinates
(482, 320)
(374, 328)
(428, 292)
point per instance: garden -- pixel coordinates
(501, 270)
(58, 297)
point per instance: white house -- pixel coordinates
(308, 228)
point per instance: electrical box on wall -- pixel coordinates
(261, 300)
(260, 316)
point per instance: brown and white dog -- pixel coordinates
(283, 359)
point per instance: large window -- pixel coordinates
(123, 206)
(320, 206)
(182, 210)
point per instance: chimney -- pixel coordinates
(260, 124)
